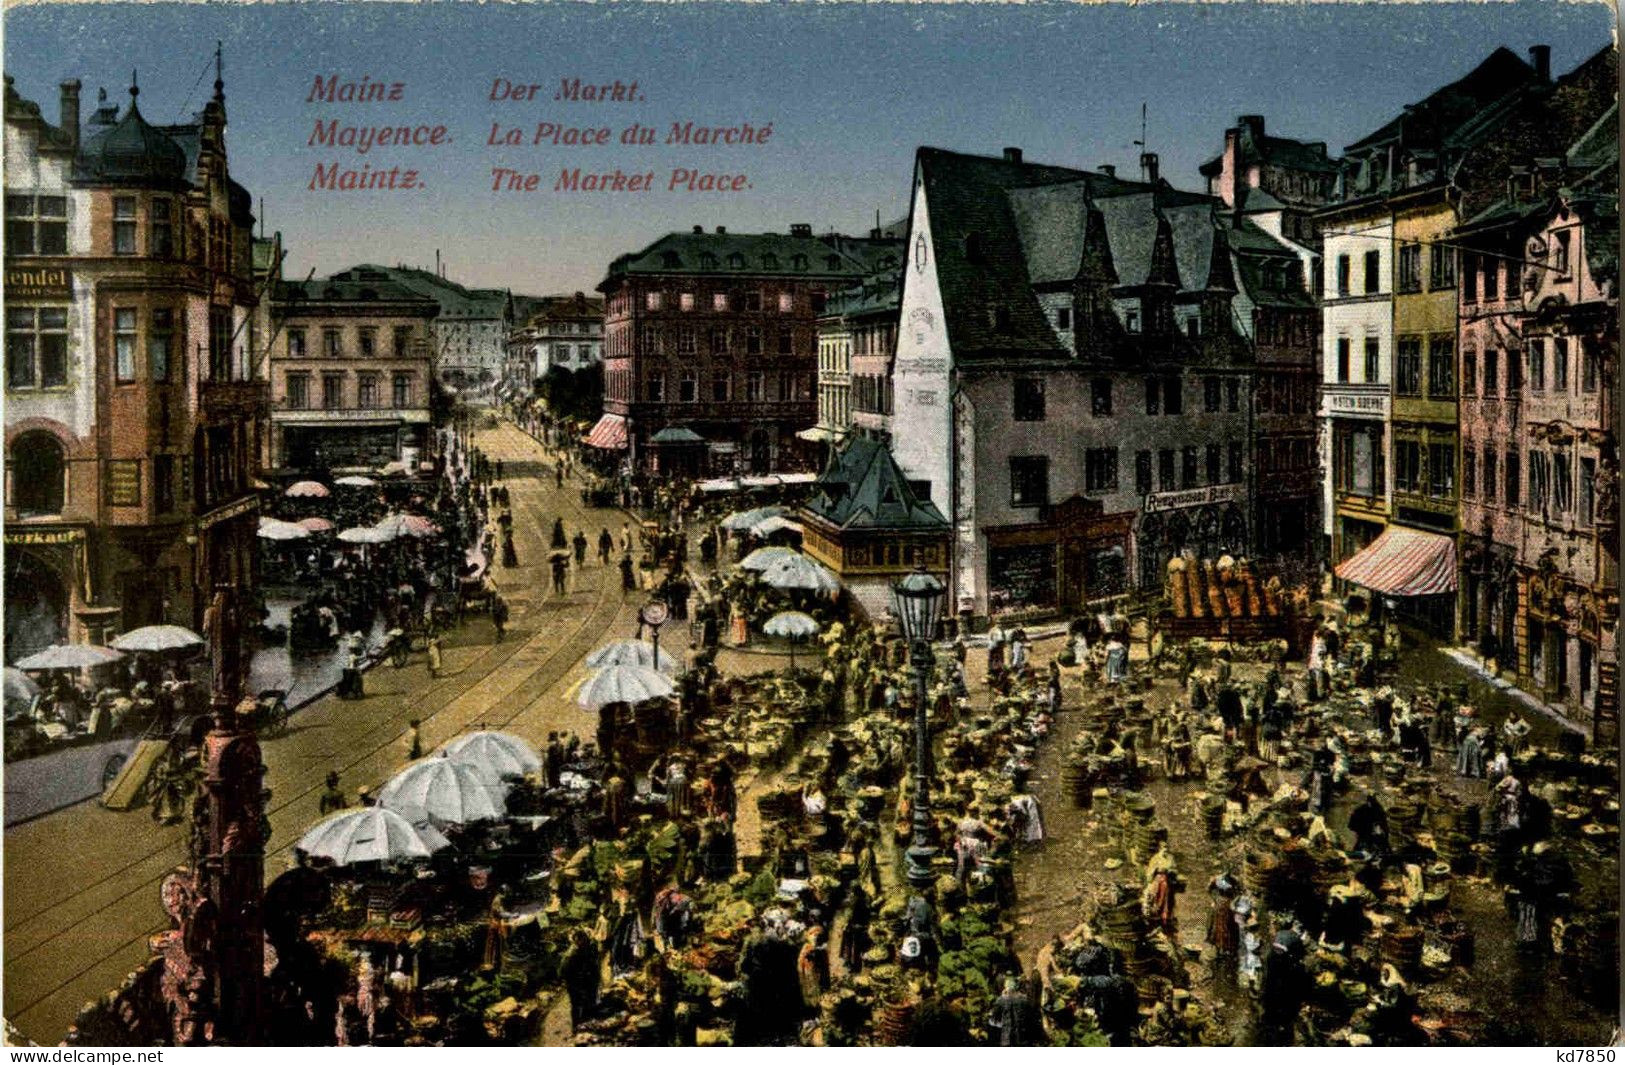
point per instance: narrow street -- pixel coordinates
(81, 885)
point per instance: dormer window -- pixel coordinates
(708, 261)
(670, 260)
(770, 261)
(833, 262)
(736, 261)
(798, 262)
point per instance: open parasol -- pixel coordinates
(71, 656)
(623, 684)
(776, 524)
(398, 525)
(315, 524)
(741, 520)
(445, 791)
(494, 754)
(633, 653)
(20, 692)
(800, 573)
(363, 535)
(793, 625)
(763, 558)
(371, 834)
(307, 490)
(355, 480)
(276, 529)
(158, 638)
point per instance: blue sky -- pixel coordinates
(851, 92)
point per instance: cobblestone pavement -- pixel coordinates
(81, 885)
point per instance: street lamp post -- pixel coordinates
(917, 598)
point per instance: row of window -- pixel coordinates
(1553, 488)
(38, 225)
(1172, 469)
(751, 301)
(1163, 395)
(1428, 470)
(333, 346)
(670, 260)
(367, 391)
(1481, 274)
(759, 387)
(1441, 367)
(1408, 268)
(872, 394)
(719, 340)
(37, 345)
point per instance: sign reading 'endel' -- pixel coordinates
(38, 282)
(1193, 497)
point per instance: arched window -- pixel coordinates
(38, 474)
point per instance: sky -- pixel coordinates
(850, 91)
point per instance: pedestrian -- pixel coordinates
(413, 741)
(332, 798)
(561, 567)
(499, 615)
(606, 543)
(627, 582)
(434, 656)
(580, 969)
(580, 545)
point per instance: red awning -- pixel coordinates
(1404, 562)
(609, 433)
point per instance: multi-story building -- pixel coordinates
(1037, 297)
(856, 337)
(710, 338)
(470, 333)
(132, 409)
(1388, 400)
(1277, 182)
(350, 373)
(1539, 341)
(562, 331)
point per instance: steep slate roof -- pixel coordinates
(1431, 121)
(455, 300)
(882, 292)
(684, 253)
(349, 289)
(563, 308)
(1283, 151)
(20, 109)
(1026, 224)
(132, 151)
(864, 488)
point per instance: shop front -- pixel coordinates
(1076, 555)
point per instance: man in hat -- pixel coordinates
(332, 798)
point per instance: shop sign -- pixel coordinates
(1193, 497)
(124, 483)
(37, 537)
(1361, 404)
(38, 283)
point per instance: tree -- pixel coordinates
(573, 393)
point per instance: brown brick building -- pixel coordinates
(133, 407)
(712, 338)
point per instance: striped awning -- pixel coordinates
(1404, 562)
(609, 434)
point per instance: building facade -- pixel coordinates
(1039, 297)
(350, 373)
(470, 337)
(715, 334)
(562, 331)
(856, 338)
(1539, 346)
(133, 409)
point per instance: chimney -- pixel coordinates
(1012, 155)
(722, 231)
(1230, 164)
(1108, 169)
(699, 229)
(801, 229)
(1540, 57)
(70, 111)
(1254, 125)
(1148, 167)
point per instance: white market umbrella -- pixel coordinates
(70, 656)
(370, 834)
(278, 530)
(446, 792)
(800, 573)
(398, 525)
(776, 524)
(623, 684)
(315, 524)
(355, 480)
(158, 638)
(633, 653)
(494, 754)
(362, 535)
(741, 520)
(307, 490)
(763, 558)
(792, 625)
(20, 692)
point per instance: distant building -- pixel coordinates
(350, 373)
(711, 337)
(856, 337)
(1074, 375)
(562, 331)
(1277, 182)
(133, 405)
(470, 332)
